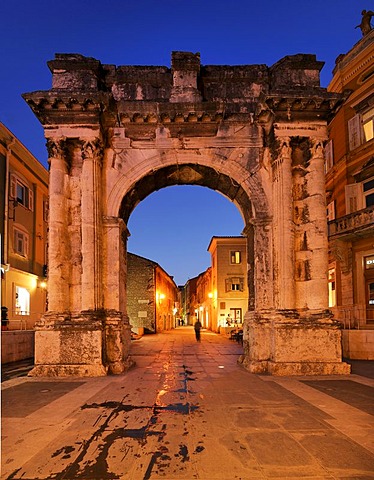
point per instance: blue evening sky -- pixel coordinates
(173, 226)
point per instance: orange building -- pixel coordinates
(229, 286)
(350, 189)
(152, 296)
(24, 201)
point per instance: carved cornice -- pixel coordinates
(55, 107)
(292, 106)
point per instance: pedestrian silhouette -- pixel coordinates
(197, 328)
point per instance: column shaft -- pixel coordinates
(283, 230)
(58, 238)
(91, 226)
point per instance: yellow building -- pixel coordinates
(350, 193)
(229, 286)
(24, 201)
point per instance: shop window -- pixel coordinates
(20, 243)
(22, 303)
(235, 257)
(236, 315)
(332, 288)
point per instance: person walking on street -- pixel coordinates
(197, 328)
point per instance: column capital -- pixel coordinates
(317, 149)
(92, 148)
(56, 147)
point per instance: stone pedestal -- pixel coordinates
(288, 343)
(86, 345)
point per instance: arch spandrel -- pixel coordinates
(240, 186)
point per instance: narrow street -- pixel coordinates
(187, 410)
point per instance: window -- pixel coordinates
(332, 288)
(368, 189)
(369, 262)
(368, 124)
(22, 304)
(235, 257)
(45, 210)
(353, 198)
(20, 192)
(235, 284)
(354, 132)
(330, 211)
(329, 156)
(20, 243)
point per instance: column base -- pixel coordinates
(295, 368)
(68, 371)
(292, 343)
(86, 344)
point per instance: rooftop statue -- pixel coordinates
(365, 24)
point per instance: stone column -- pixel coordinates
(283, 239)
(311, 243)
(91, 225)
(58, 238)
(117, 328)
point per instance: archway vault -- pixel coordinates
(188, 174)
(254, 133)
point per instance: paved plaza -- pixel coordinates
(187, 410)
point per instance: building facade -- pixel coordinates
(350, 188)
(229, 287)
(152, 296)
(24, 230)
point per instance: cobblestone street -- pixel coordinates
(187, 411)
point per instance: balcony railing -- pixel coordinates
(355, 224)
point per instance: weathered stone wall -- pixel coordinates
(141, 293)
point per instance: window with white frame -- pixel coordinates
(368, 124)
(330, 211)
(329, 156)
(235, 257)
(235, 284)
(20, 242)
(368, 192)
(21, 192)
(22, 303)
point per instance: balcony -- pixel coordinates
(355, 225)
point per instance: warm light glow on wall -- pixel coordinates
(210, 295)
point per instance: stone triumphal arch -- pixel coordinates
(254, 133)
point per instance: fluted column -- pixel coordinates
(283, 228)
(58, 238)
(91, 225)
(313, 292)
(115, 235)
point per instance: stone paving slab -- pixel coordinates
(188, 411)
